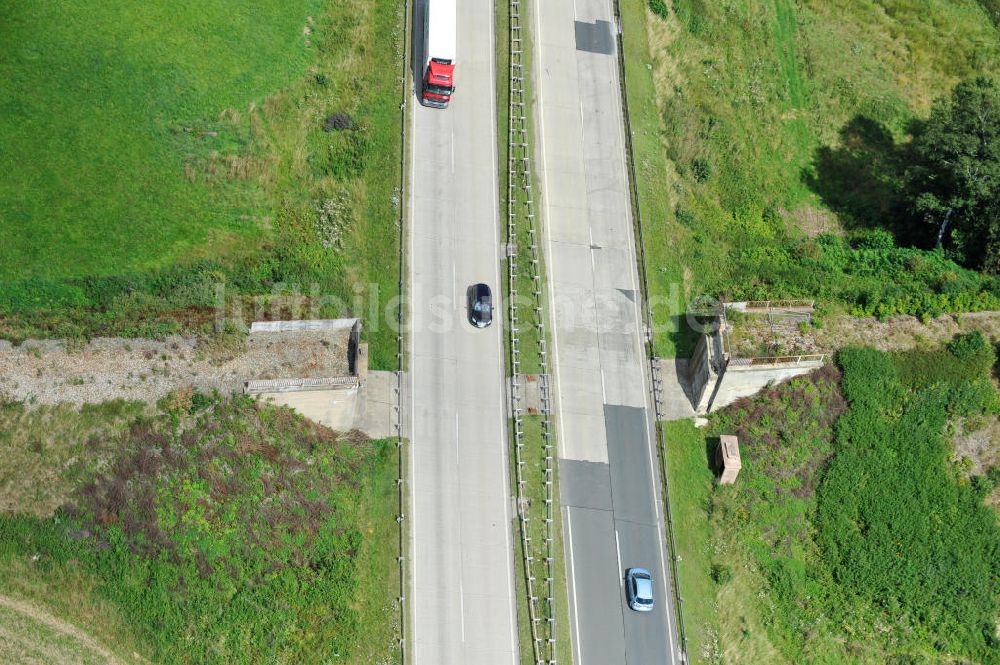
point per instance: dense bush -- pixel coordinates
(894, 526)
(786, 436)
(963, 369)
(866, 271)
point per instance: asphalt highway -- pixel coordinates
(609, 480)
(461, 556)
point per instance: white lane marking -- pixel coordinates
(553, 303)
(604, 394)
(454, 285)
(572, 587)
(593, 262)
(413, 374)
(461, 585)
(618, 551)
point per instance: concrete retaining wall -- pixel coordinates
(716, 381)
(737, 382)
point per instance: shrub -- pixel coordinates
(876, 239)
(347, 152)
(659, 7)
(721, 574)
(701, 169)
(338, 121)
(685, 216)
(981, 486)
(973, 350)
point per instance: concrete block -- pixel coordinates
(727, 459)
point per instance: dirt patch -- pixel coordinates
(812, 221)
(57, 642)
(979, 443)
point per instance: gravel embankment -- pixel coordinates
(893, 334)
(49, 372)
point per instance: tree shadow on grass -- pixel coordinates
(862, 178)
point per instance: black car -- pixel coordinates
(480, 305)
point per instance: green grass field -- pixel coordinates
(213, 531)
(760, 127)
(96, 101)
(153, 151)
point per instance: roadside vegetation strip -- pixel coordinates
(252, 533)
(402, 451)
(288, 181)
(543, 610)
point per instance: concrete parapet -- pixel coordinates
(306, 325)
(361, 362)
(258, 386)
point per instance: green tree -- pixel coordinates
(954, 180)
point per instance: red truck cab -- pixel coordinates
(440, 35)
(438, 83)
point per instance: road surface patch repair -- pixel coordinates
(594, 37)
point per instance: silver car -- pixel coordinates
(639, 589)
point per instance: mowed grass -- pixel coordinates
(30, 633)
(194, 155)
(761, 126)
(690, 480)
(96, 100)
(26, 639)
